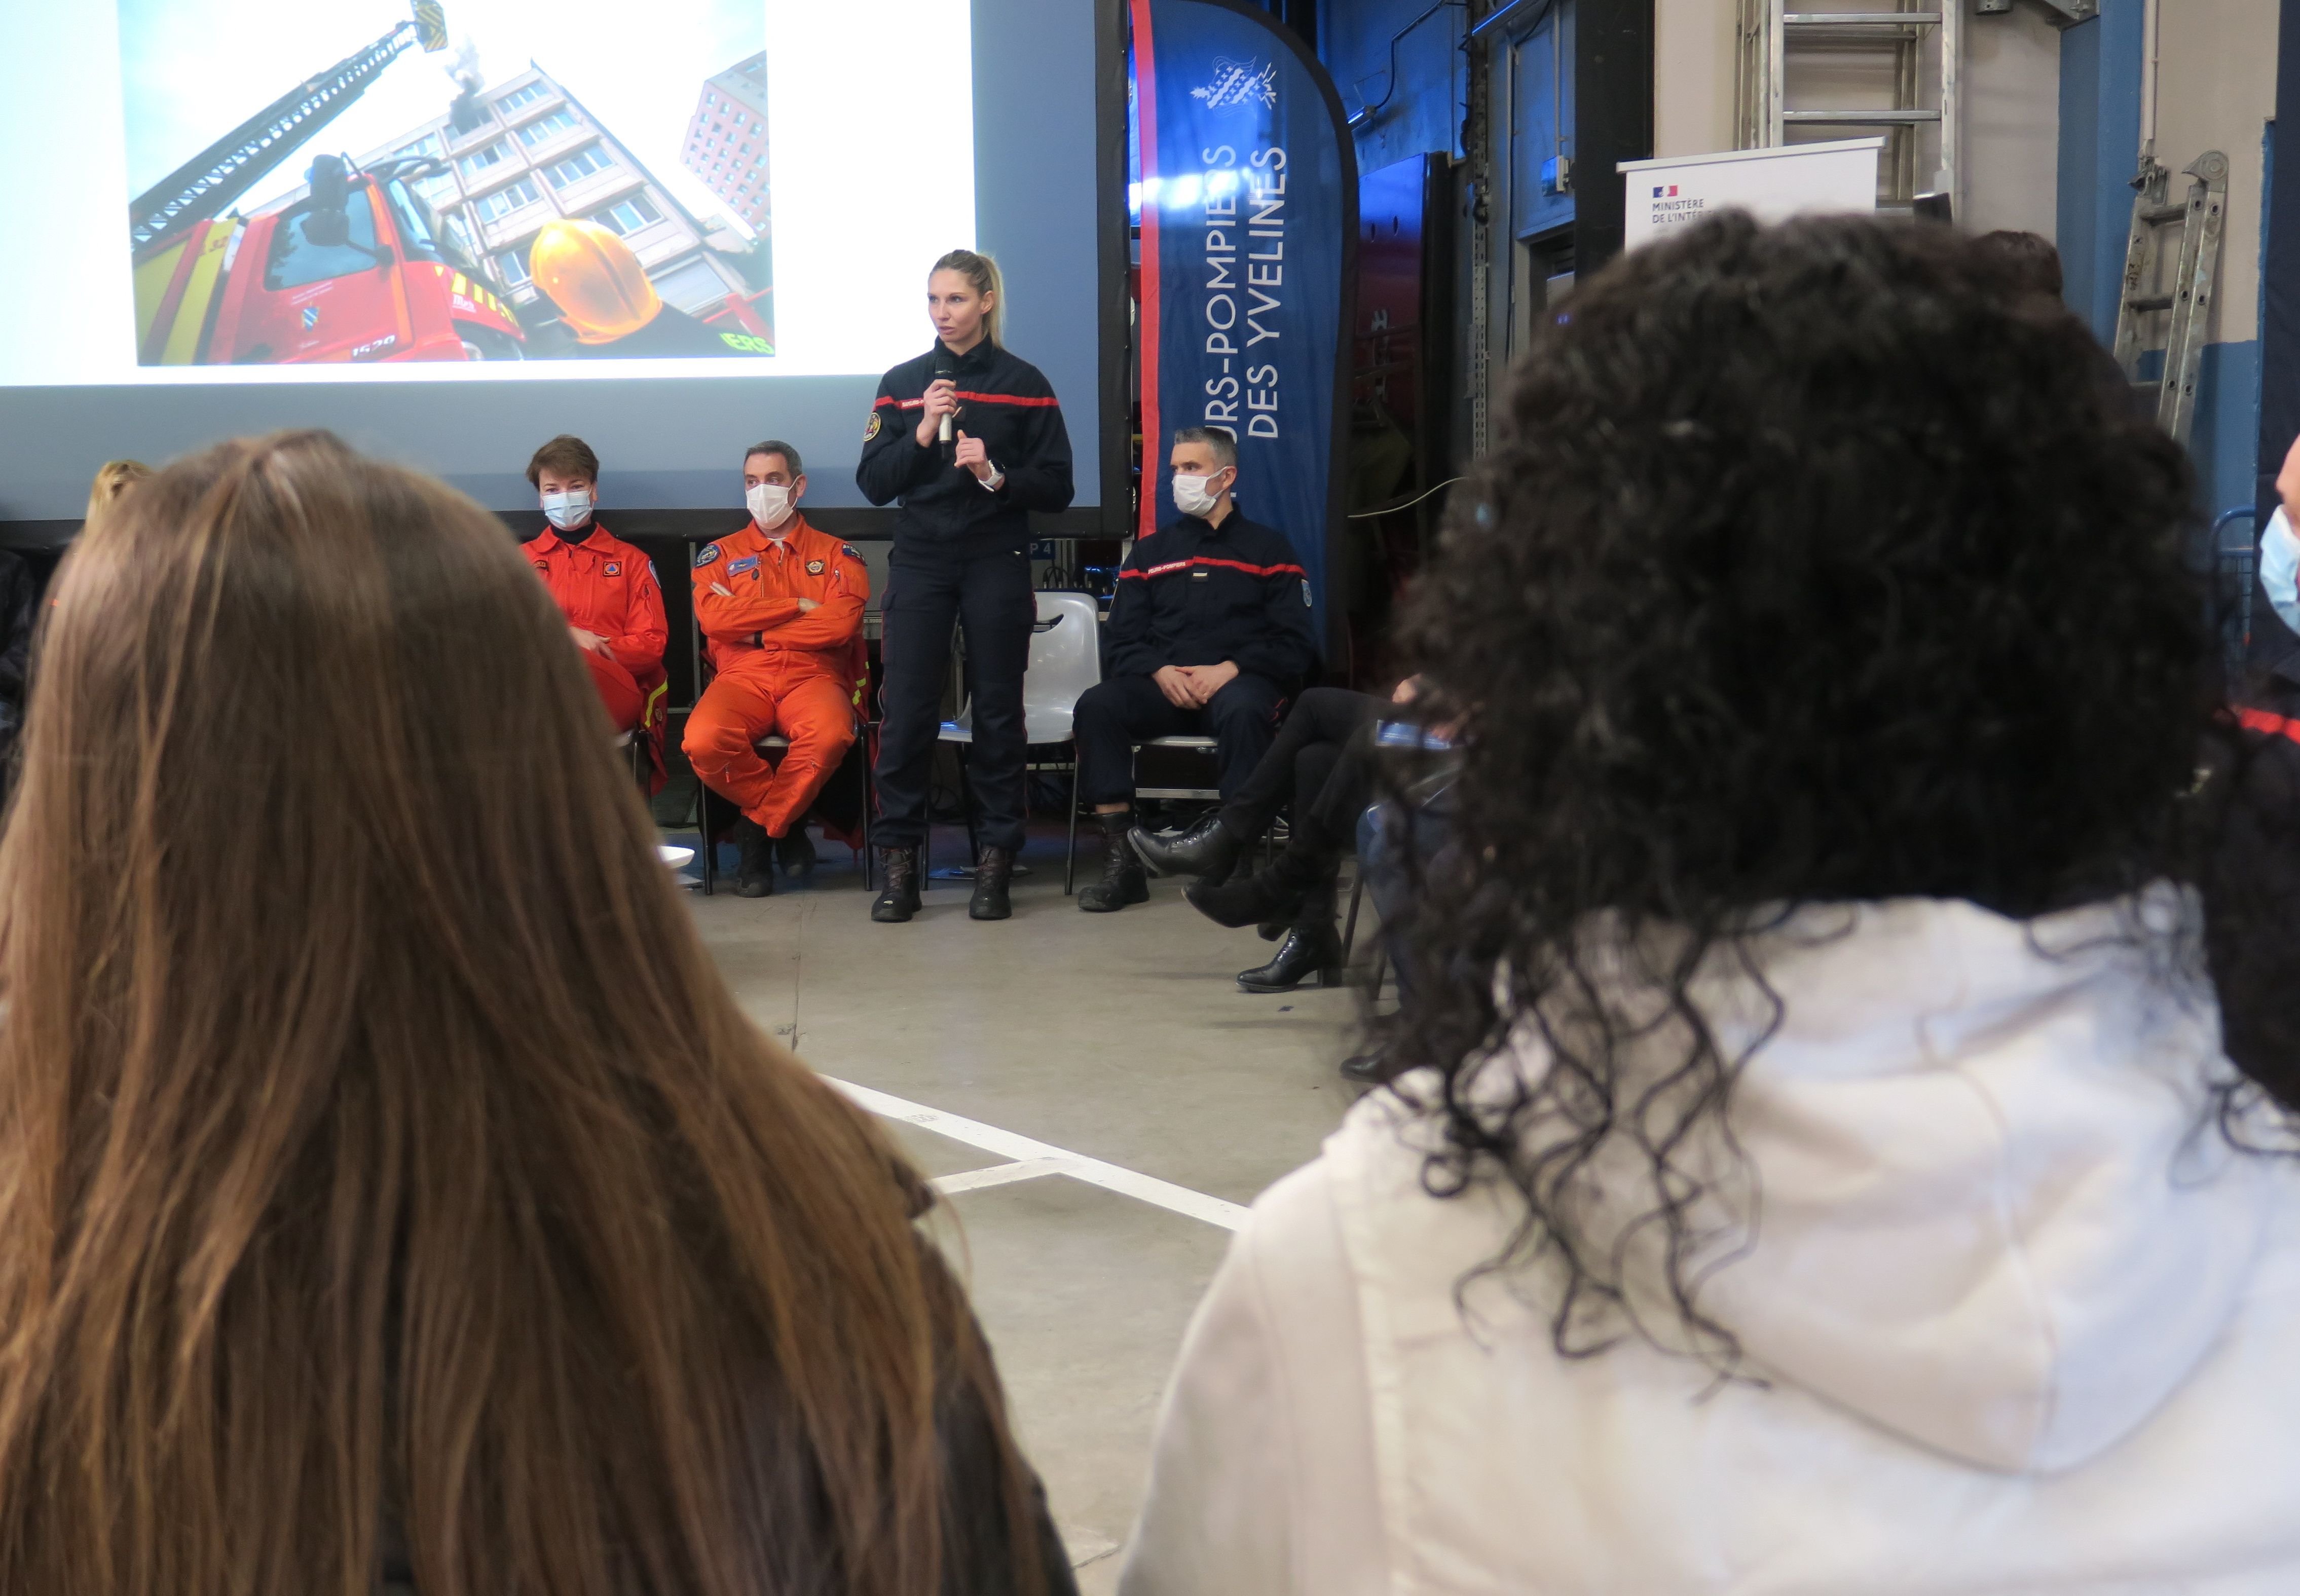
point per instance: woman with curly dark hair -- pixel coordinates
(1813, 1164)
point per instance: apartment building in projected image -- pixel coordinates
(527, 153)
(727, 140)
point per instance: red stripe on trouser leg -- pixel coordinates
(618, 690)
(737, 708)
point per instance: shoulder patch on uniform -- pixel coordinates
(736, 568)
(848, 549)
(1306, 604)
(815, 568)
(710, 553)
(871, 428)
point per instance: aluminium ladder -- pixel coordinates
(2188, 298)
(1912, 47)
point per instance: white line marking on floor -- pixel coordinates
(997, 1175)
(1110, 1177)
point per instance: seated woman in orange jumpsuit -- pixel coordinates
(605, 587)
(780, 605)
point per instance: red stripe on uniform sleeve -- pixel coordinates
(1254, 570)
(2259, 720)
(1199, 559)
(1048, 402)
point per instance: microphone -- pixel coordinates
(945, 372)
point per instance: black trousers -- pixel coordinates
(1123, 711)
(1301, 763)
(990, 595)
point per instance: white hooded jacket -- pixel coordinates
(2027, 1324)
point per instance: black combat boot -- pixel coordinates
(1309, 956)
(899, 899)
(1208, 850)
(795, 851)
(991, 872)
(1122, 881)
(754, 872)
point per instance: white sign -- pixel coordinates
(1771, 184)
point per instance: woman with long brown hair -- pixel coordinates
(390, 1190)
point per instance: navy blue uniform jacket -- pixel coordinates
(1006, 403)
(1192, 594)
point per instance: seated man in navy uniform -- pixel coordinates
(1210, 630)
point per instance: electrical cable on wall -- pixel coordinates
(1363, 515)
(1367, 112)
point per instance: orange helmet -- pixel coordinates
(594, 279)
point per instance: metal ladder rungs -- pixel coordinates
(1914, 47)
(1860, 19)
(1863, 118)
(2186, 298)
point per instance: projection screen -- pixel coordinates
(451, 229)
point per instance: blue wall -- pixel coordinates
(1429, 98)
(2100, 143)
(1541, 105)
(2227, 440)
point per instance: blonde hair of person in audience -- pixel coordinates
(114, 477)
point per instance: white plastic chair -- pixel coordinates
(1065, 660)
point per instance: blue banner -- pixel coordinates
(1248, 203)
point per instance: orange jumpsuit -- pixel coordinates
(780, 670)
(605, 586)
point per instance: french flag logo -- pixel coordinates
(1668, 193)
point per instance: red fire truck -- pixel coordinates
(360, 270)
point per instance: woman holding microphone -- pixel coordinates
(969, 439)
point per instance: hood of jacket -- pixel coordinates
(1976, 1190)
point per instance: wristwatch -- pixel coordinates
(995, 482)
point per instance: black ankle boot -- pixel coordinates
(899, 899)
(1257, 899)
(1268, 898)
(795, 851)
(991, 872)
(1208, 850)
(754, 874)
(1122, 881)
(1309, 956)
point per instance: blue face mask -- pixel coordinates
(567, 511)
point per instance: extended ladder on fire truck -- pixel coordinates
(204, 185)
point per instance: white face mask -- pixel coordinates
(567, 511)
(770, 504)
(1192, 497)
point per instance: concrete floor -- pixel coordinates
(1119, 1037)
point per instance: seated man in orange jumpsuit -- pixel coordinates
(605, 587)
(780, 605)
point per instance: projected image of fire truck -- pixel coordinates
(358, 268)
(457, 239)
